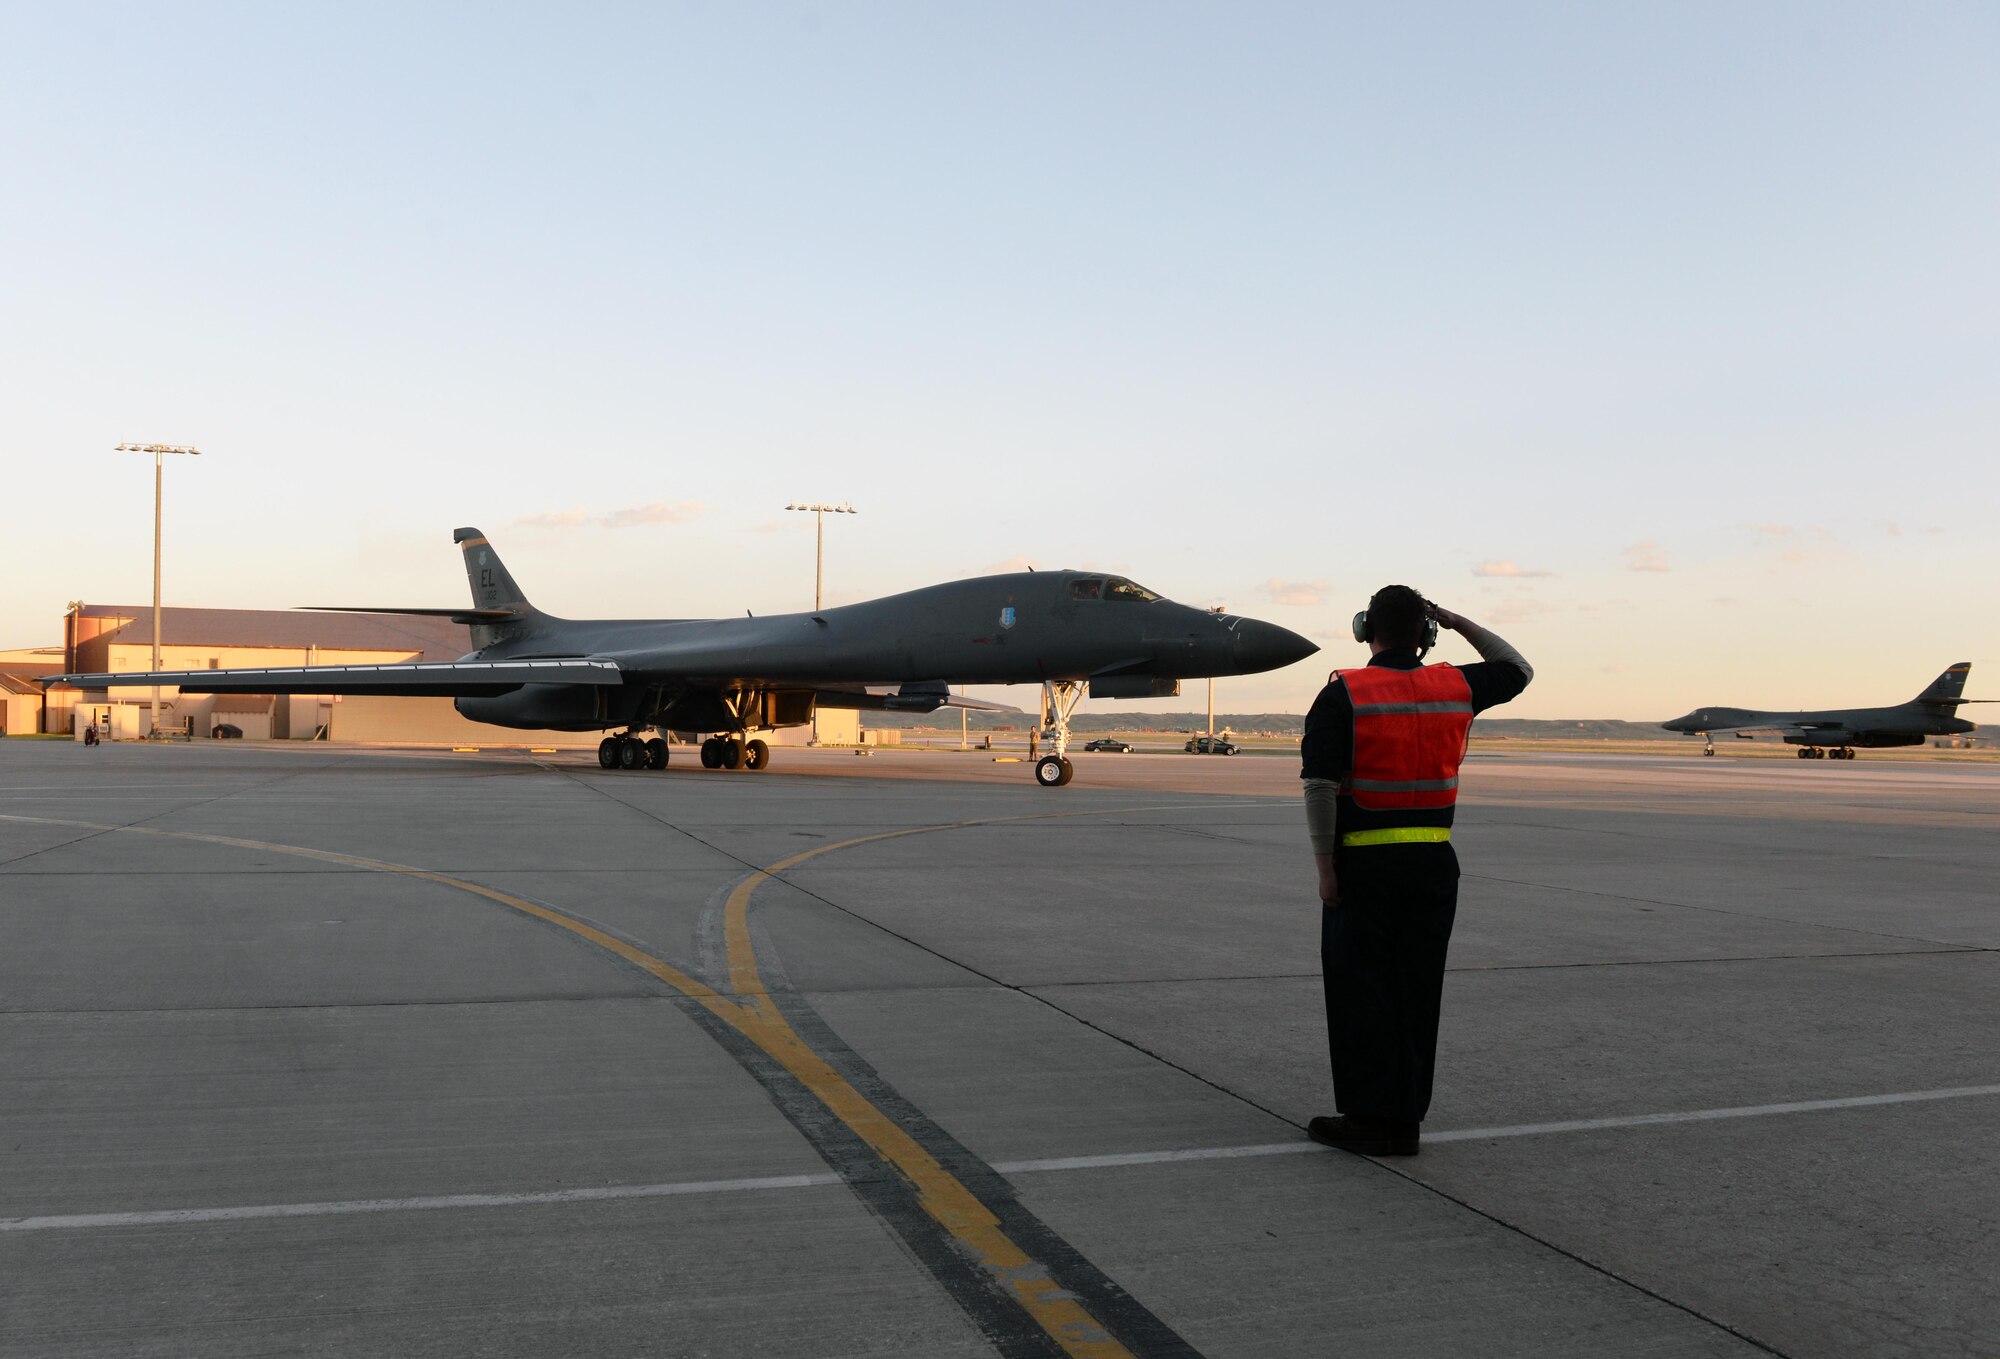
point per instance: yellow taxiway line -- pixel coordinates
(752, 1013)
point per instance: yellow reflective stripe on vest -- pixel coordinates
(1397, 835)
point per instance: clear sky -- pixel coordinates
(1664, 337)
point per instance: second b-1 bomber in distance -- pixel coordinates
(1071, 632)
(1837, 732)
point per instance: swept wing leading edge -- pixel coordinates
(390, 678)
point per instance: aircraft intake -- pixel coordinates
(1134, 686)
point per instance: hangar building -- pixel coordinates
(108, 637)
(101, 637)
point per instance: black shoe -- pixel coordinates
(1365, 1136)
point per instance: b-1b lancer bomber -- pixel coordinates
(1837, 732)
(1067, 631)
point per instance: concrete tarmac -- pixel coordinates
(331, 1051)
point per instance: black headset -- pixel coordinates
(1365, 633)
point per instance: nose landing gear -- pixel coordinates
(1059, 700)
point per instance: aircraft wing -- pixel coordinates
(399, 678)
(455, 615)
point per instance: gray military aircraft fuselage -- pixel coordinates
(1843, 730)
(1067, 631)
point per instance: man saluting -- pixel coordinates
(1381, 753)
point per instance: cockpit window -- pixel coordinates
(1117, 587)
(1090, 587)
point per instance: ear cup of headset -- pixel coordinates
(1361, 626)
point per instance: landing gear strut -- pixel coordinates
(1059, 700)
(629, 750)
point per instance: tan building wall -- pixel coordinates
(20, 714)
(830, 727)
(176, 707)
(431, 721)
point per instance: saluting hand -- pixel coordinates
(1447, 619)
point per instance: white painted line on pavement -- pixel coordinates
(1147, 1158)
(1155, 1158)
(179, 1216)
(185, 1216)
(1810, 1106)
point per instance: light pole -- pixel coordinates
(159, 452)
(819, 513)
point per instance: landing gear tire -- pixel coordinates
(731, 754)
(711, 754)
(756, 755)
(1053, 771)
(607, 753)
(631, 753)
(1805, 752)
(657, 754)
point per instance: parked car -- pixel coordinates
(1106, 743)
(226, 731)
(1211, 745)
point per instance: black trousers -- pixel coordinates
(1383, 951)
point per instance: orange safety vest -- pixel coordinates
(1409, 736)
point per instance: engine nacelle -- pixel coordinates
(545, 707)
(1134, 686)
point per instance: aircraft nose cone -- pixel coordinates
(1266, 646)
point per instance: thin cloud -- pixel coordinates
(1773, 530)
(1647, 556)
(768, 526)
(1296, 592)
(1016, 563)
(659, 512)
(1509, 569)
(554, 519)
(1518, 609)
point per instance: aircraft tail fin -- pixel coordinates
(493, 590)
(1948, 689)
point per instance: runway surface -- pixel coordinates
(326, 1051)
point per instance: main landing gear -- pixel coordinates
(735, 752)
(1059, 700)
(629, 750)
(1822, 753)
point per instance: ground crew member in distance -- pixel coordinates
(1381, 754)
